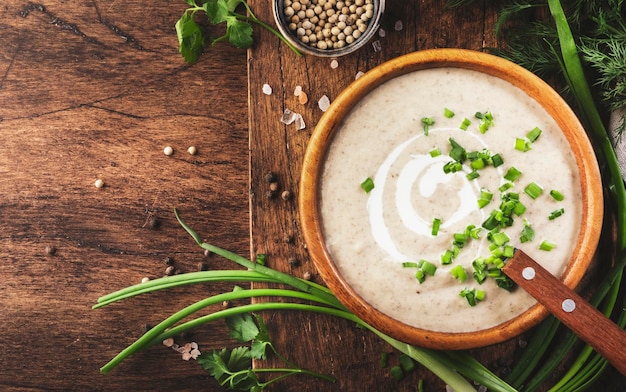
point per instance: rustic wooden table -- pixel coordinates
(96, 90)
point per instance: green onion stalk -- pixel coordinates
(455, 369)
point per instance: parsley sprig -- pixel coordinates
(192, 37)
(232, 367)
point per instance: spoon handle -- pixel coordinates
(606, 337)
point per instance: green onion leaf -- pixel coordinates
(447, 113)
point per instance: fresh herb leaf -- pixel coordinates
(191, 37)
(242, 327)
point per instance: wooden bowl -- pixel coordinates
(323, 136)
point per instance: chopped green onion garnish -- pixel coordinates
(436, 225)
(508, 251)
(473, 232)
(556, 213)
(409, 264)
(478, 164)
(427, 122)
(534, 134)
(479, 270)
(435, 152)
(486, 121)
(496, 160)
(452, 167)
(367, 185)
(458, 272)
(459, 239)
(556, 195)
(472, 175)
(472, 295)
(522, 145)
(528, 234)
(428, 267)
(448, 113)
(465, 124)
(506, 186)
(499, 238)
(457, 152)
(504, 282)
(546, 245)
(447, 257)
(512, 174)
(420, 276)
(485, 197)
(533, 190)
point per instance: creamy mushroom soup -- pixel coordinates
(402, 136)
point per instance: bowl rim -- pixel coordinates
(536, 88)
(330, 53)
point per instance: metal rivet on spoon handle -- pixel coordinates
(606, 337)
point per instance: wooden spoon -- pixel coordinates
(606, 337)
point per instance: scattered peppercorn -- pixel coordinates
(286, 195)
(51, 250)
(99, 183)
(328, 24)
(171, 270)
(192, 150)
(168, 151)
(168, 260)
(293, 262)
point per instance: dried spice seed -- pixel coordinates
(328, 24)
(51, 250)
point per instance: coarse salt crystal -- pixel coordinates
(334, 64)
(169, 342)
(323, 103)
(359, 74)
(382, 33)
(398, 26)
(288, 117)
(299, 122)
(267, 89)
(377, 46)
(297, 91)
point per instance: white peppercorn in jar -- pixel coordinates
(328, 28)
